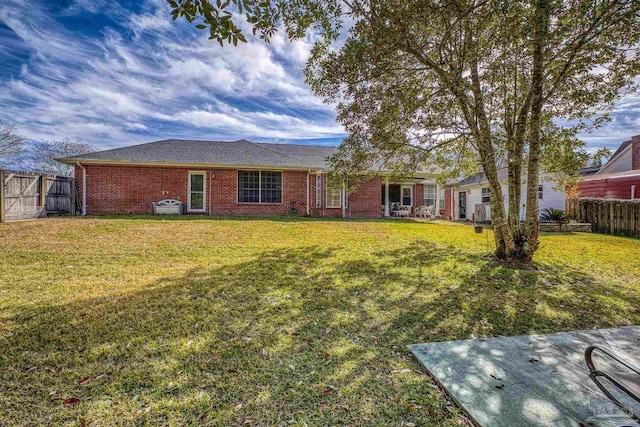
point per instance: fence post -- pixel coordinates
(1, 195)
(42, 195)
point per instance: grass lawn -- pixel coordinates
(134, 321)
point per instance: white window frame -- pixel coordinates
(540, 192)
(442, 197)
(483, 195)
(425, 198)
(333, 190)
(260, 202)
(402, 188)
(204, 191)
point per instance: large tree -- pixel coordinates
(459, 82)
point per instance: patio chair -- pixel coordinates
(404, 211)
(424, 211)
(395, 209)
(623, 384)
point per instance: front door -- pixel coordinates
(462, 205)
(407, 199)
(196, 201)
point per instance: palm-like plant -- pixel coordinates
(553, 215)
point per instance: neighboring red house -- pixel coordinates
(237, 178)
(619, 178)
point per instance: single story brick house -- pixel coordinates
(238, 178)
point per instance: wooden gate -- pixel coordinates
(27, 195)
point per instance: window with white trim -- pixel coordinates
(259, 186)
(429, 195)
(540, 192)
(486, 195)
(318, 190)
(442, 190)
(334, 197)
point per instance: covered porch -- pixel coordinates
(410, 194)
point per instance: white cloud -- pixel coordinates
(164, 79)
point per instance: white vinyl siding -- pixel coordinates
(621, 163)
(486, 195)
(552, 198)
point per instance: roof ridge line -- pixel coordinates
(270, 149)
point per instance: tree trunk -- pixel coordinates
(515, 170)
(502, 233)
(532, 221)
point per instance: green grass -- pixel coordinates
(272, 321)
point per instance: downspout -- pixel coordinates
(308, 207)
(451, 205)
(84, 188)
(209, 201)
(343, 195)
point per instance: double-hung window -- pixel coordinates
(430, 195)
(259, 186)
(442, 190)
(540, 192)
(486, 195)
(334, 197)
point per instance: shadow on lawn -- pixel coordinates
(291, 334)
(278, 218)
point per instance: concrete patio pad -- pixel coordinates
(529, 380)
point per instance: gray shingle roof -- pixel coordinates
(223, 153)
(480, 177)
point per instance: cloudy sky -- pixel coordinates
(117, 73)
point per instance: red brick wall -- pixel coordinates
(366, 200)
(418, 195)
(446, 212)
(133, 189)
(224, 196)
(125, 189)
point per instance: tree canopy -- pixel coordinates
(11, 143)
(463, 83)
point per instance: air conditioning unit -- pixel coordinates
(481, 212)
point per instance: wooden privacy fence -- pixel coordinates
(25, 195)
(610, 216)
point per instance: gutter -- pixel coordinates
(84, 188)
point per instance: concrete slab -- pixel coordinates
(530, 380)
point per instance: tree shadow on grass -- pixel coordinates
(293, 334)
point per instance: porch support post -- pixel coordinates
(386, 196)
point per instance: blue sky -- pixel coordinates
(118, 73)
